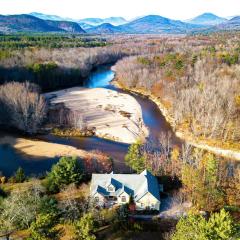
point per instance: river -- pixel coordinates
(10, 160)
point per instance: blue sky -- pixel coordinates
(176, 9)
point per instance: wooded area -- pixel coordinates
(198, 82)
(196, 78)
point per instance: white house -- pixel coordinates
(110, 189)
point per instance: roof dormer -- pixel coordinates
(111, 188)
(112, 185)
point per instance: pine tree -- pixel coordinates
(86, 227)
(44, 228)
(191, 228)
(135, 158)
(220, 226)
(211, 169)
(20, 175)
(68, 170)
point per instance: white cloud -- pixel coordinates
(176, 9)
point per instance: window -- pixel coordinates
(142, 205)
(124, 199)
(112, 198)
(110, 189)
(97, 199)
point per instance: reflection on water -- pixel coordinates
(117, 151)
(154, 120)
(100, 78)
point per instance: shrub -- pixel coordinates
(195, 227)
(20, 208)
(48, 205)
(68, 170)
(44, 228)
(3, 179)
(20, 175)
(2, 193)
(85, 228)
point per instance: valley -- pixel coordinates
(119, 129)
(151, 117)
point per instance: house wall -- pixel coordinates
(119, 200)
(148, 201)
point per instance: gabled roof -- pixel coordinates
(152, 186)
(136, 185)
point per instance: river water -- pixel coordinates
(10, 160)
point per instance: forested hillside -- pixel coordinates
(52, 61)
(29, 23)
(198, 83)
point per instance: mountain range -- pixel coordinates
(84, 23)
(154, 24)
(151, 24)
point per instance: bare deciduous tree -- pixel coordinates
(23, 107)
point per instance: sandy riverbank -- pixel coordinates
(33, 150)
(114, 115)
(36, 149)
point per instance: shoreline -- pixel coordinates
(233, 154)
(34, 150)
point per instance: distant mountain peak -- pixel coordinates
(236, 18)
(155, 24)
(105, 28)
(208, 14)
(47, 16)
(232, 24)
(115, 21)
(207, 19)
(106, 25)
(67, 26)
(85, 23)
(29, 23)
(116, 18)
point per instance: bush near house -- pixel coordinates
(68, 170)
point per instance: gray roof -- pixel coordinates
(136, 185)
